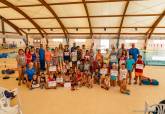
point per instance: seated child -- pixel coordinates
(139, 66)
(51, 82)
(103, 72)
(84, 78)
(129, 63)
(123, 73)
(35, 82)
(81, 66)
(113, 75)
(29, 73)
(87, 66)
(67, 76)
(96, 76)
(89, 81)
(42, 80)
(105, 83)
(59, 79)
(73, 82)
(79, 77)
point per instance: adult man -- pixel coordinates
(134, 52)
(121, 50)
(42, 57)
(74, 47)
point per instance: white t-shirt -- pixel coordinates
(103, 71)
(114, 73)
(123, 74)
(74, 56)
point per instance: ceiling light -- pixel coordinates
(76, 29)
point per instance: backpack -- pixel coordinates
(154, 82)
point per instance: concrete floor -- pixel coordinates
(88, 101)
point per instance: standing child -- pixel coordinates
(37, 61)
(55, 58)
(123, 58)
(129, 63)
(123, 74)
(28, 56)
(113, 75)
(21, 64)
(87, 56)
(60, 55)
(139, 66)
(74, 58)
(66, 54)
(48, 58)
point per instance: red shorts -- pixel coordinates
(138, 74)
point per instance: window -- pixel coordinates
(130, 41)
(58, 40)
(104, 45)
(80, 40)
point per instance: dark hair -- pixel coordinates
(130, 55)
(26, 49)
(139, 56)
(20, 50)
(123, 64)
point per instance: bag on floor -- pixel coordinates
(9, 71)
(154, 82)
(146, 82)
(3, 71)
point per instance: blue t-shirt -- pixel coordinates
(129, 64)
(30, 73)
(134, 52)
(42, 54)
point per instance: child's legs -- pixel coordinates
(48, 65)
(130, 76)
(20, 75)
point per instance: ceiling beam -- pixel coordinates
(121, 23)
(24, 14)
(95, 16)
(151, 30)
(105, 33)
(87, 13)
(12, 25)
(57, 18)
(133, 27)
(66, 3)
(2, 26)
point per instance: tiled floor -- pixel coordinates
(88, 101)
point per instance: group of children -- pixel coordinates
(77, 67)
